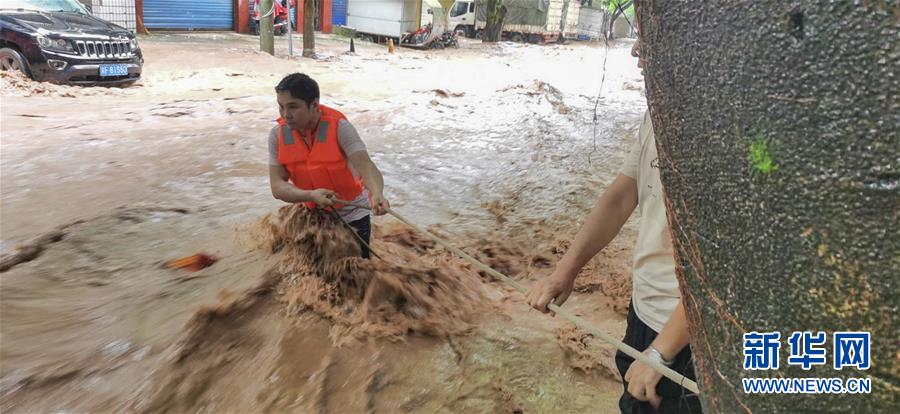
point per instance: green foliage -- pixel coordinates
(613, 5)
(761, 154)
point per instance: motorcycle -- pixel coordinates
(281, 17)
(420, 38)
(447, 39)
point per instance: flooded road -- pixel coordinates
(494, 147)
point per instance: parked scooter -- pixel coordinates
(423, 39)
(447, 39)
(418, 37)
(281, 17)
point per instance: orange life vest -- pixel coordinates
(318, 162)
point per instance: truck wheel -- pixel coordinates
(465, 30)
(516, 37)
(11, 59)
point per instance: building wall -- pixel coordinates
(592, 22)
(120, 12)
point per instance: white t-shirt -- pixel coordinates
(350, 143)
(655, 292)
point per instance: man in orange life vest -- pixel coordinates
(316, 157)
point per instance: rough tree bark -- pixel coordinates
(778, 129)
(309, 33)
(266, 28)
(493, 28)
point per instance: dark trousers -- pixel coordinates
(675, 399)
(363, 228)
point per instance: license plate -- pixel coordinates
(113, 70)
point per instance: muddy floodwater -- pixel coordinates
(496, 148)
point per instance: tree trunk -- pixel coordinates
(562, 22)
(493, 28)
(309, 35)
(266, 28)
(778, 155)
(446, 5)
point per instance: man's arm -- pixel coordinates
(601, 226)
(672, 339)
(372, 179)
(674, 335)
(371, 176)
(283, 190)
(358, 156)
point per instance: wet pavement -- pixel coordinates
(493, 146)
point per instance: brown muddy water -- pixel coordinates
(494, 147)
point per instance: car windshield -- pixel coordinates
(44, 5)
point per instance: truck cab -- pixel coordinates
(462, 17)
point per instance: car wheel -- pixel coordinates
(11, 59)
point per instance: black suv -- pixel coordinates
(60, 41)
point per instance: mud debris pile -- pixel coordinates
(18, 85)
(414, 290)
(318, 277)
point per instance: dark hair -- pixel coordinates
(300, 86)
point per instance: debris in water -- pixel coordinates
(192, 263)
(582, 357)
(443, 93)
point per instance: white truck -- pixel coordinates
(380, 19)
(461, 18)
(533, 21)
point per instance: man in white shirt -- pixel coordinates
(657, 324)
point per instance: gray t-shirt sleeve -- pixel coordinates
(273, 147)
(349, 139)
